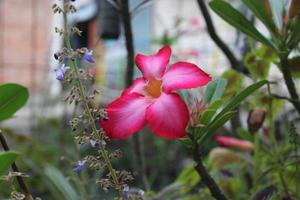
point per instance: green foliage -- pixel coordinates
(226, 113)
(6, 160)
(259, 10)
(234, 82)
(236, 19)
(214, 90)
(259, 61)
(12, 98)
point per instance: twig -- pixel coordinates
(15, 169)
(235, 64)
(128, 81)
(289, 82)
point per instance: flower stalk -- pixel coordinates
(82, 92)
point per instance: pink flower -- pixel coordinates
(152, 99)
(232, 142)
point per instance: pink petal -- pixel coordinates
(126, 115)
(184, 75)
(154, 66)
(136, 87)
(168, 116)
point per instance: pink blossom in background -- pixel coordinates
(152, 98)
(231, 142)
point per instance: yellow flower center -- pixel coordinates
(153, 88)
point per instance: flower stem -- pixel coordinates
(82, 92)
(15, 169)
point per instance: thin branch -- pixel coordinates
(206, 178)
(235, 64)
(138, 150)
(15, 169)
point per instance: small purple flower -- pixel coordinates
(80, 166)
(60, 72)
(95, 143)
(88, 56)
(126, 192)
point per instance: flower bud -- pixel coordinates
(255, 120)
(234, 143)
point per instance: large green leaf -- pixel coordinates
(259, 10)
(6, 160)
(12, 98)
(236, 19)
(214, 90)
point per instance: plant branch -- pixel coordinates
(235, 64)
(289, 82)
(129, 42)
(207, 179)
(138, 150)
(15, 169)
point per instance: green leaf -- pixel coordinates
(236, 19)
(208, 114)
(277, 11)
(215, 125)
(6, 160)
(12, 98)
(259, 10)
(294, 34)
(214, 90)
(234, 102)
(59, 185)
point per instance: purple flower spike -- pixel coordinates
(95, 143)
(60, 72)
(88, 56)
(125, 193)
(80, 166)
